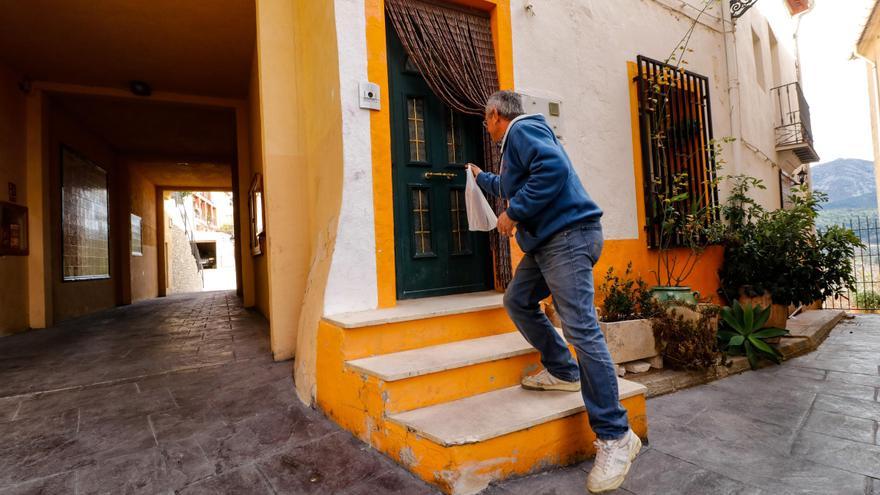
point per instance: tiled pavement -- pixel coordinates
(180, 395)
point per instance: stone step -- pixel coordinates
(418, 309)
(494, 414)
(415, 324)
(417, 362)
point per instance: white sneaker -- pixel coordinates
(543, 380)
(613, 460)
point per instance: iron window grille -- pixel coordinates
(675, 120)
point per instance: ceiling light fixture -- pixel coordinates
(140, 88)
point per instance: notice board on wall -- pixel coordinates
(85, 215)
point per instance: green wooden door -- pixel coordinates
(435, 252)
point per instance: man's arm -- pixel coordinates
(548, 172)
(489, 182)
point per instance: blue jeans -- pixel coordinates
(563, 267)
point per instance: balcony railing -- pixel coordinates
(793, 129)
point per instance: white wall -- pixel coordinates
(759, 109)
(578, 50)
(352, 284)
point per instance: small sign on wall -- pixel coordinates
(369, 96)
(13, 193)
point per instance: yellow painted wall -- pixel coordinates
(13, 269)
(261, 265)
(297, 126)
(144, 269)
(71, 299)
(322, 145)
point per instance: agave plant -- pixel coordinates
(744, 333)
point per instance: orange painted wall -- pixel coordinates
(144, 269)
(13, 269)
(618, 252)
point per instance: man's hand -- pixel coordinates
(505, 225)
(474, 170)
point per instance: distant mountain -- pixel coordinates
(848, 182)
(861, 201)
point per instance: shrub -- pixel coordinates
(779, 252)
(687, 341)
(867, 300)
(626, 297)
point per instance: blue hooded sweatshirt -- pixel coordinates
(538, 179)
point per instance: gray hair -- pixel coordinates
(508, 104)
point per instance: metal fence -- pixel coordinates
(866, 296)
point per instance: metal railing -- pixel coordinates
(866, 264)
(675, 125)
(793, 117)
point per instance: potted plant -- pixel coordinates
(687, 227)
(776, 258)
(625, 308)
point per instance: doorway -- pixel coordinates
(435, 252)
(199, 241)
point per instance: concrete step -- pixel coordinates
(447, 372)
(417, 362)
(494, 414)
(415, 324)
(419, 309)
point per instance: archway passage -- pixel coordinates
(111, 104)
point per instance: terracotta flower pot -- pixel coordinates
(778, 313)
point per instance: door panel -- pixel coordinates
(435, 252)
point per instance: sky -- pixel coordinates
(835, 86)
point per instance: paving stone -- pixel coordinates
(838, 425)
(58, 484)
(393, 482)
(9, 408)
(839, 453)
(754, 466)
(262, 435)
(656, 473)
(858, 379)
(318, 467)
(155, 470)
(848, 406)
(247, 480)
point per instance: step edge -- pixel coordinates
(352, 320)
(637, 389)
(394, 377)
(525, 348)
(439, 369)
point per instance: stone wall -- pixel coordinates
(185, 276)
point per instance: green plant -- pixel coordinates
(867, 300)
(626, 297)
(744, 333)
(685, 216)
(686, 221)
(779, 252)
(686, 336)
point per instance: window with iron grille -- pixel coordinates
(675, 120)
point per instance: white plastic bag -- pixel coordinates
(479, 211)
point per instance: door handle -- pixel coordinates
(447, 175)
